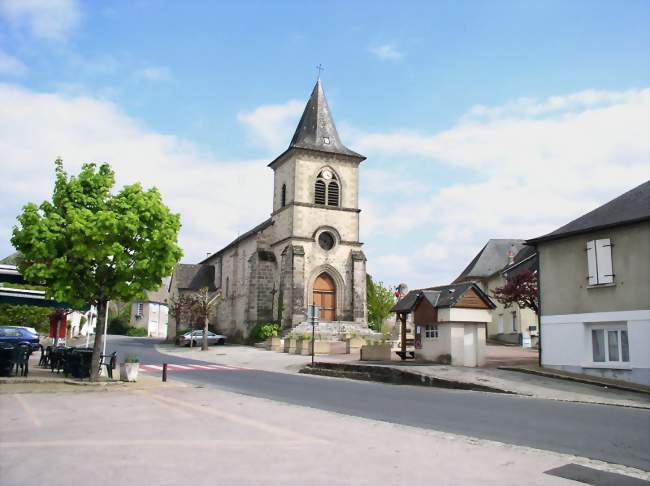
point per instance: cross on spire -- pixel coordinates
(320, 68)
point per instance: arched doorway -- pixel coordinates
(325, 297)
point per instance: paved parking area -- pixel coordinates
(203, 436)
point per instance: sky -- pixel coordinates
(479, 120)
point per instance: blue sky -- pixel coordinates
(479, 119)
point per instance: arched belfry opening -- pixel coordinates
(325, 296)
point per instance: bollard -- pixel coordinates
(164, 374)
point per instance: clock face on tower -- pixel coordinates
(327, 174)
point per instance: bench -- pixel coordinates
(109, 361)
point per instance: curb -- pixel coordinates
(577, 379)
(385, 374)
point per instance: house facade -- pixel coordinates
(307, 252)
(595, 291)
(152, 312)
(489, 269)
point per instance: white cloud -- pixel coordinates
(35, 128)
(45, 19)
(154, 73)
(386, 51)
(11, 66)
(270, 126)
(535, 165)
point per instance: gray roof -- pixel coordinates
(161, 295)
(194, 277)
(316, 129)
(11, 259)
(631, 207)
(260, 227)
(526, 259)
(441, 296)
(492, 258)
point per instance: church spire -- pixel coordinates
(316, 130)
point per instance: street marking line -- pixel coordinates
(177, 410)
(271, 429)
(143, 442)
(178, 367)
(28, 410)
(155, 367)
(203, 367)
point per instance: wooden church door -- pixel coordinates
(325, 297)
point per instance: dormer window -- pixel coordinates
(327, 190)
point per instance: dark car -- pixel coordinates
(18, 335)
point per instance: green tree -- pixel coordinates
(25, 315)
(380, 301)
(89, 246)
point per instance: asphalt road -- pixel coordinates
(608, 433)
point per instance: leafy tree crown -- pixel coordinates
(88, 245)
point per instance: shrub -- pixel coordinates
(265, 330)
(136, 332)
(117, 325)
(131, 359)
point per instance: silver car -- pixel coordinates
(196, 338)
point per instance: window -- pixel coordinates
(514, 321)
(326, 240)
(609, 345)
(599, 262)
(283, 196)
(431, 331)
(139, 309)
(326, 188)
(227, 285)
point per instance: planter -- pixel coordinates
(290, 345)
(275, 344)
(376, 352)
(303, 346)
(322, 347)
(354, 344)
(129, 371)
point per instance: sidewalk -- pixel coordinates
(516, 382)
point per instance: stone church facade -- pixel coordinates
(307, 252)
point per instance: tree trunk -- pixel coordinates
(99, 341)
(204, 345)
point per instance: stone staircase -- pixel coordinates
(334, 330)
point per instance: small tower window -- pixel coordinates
(327, 189)
(283, 196)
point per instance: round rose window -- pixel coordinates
(326, 241)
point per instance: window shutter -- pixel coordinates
(333, 194)
(592, 271)
(604, 261)
(319, 192)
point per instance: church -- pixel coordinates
(308, 250)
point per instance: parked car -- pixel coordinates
(19, 335)
(197, 337)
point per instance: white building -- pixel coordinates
(595, 291)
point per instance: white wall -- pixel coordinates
(455, 314)
(566, 344)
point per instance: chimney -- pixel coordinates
(511, 256)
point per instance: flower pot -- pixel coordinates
(129, 371)
(376, 352)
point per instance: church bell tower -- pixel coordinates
(316, 221)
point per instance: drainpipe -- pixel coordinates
(539, 305)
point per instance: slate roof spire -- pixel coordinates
(316, 129)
